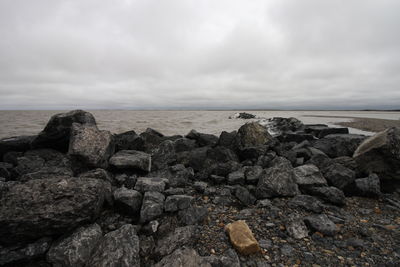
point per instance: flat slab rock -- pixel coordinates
(131, 159)
(242, 238)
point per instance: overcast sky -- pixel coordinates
(199, 54)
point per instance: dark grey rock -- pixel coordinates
(48, 207)
(296, 228)
(100, 174)
(184, 144)
(244, 196)
(89, 146)
(75, 250)
(252, 174)
(217, 179)
(163, 156)
(339, 176)
(131, 159)
(193, 215)
(5, 170)
(228, 259)
(152, 207)
(196, 158)
(127, 200)
(118, 248)
(186, 257)
(368, 187)
(144, 184)
(178, 238)
(309, 175)
(329, 194)
(337, 145)
(57, 132)
(221, 154)
(147, 245)
(321, 223)
(177, 175)
(223, 169)
(15, 144)
(175, 191)
(236, 177)
(177, 202)
(286, 124)
(202, 139)
(200, 186)
(128, 141)
(307, 202)
(227, 139)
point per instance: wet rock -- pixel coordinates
(277, 181)
(152, 207)
(379, 154)
(177, 202)
(127, 200)
(128, 141)
(144, 184)
(321, 223)
(100, 174)
(329, 194)
(338, 175)
(236, 177)
(242, 238)
(368, 187)
(48, 207)
(178, 238)
(131, 159)
(15, 144)
(57, 132)
(27, 253)
(309, 175)
(193, 215)
(186, 257)
(296, 228)
(307, 203)
(75, 250)
(244, 196)
(202, 139)
(252, 174)
(337, 145)
(118, 248)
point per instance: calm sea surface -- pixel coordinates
(14, 123)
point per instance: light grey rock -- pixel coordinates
(131, 159)
(75, 250)
(321, 223)
(127, 200)
(177, 202)
(309, 175)
(118, 248)
(296, 228)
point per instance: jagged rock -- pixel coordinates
(329, 194)
(178, 238)
(223, 169)
(128, 141)
(202, 139)
(321, 223)
(42, 163)
(26, 253)
(90, 147)
(338, 175)
(193, 215)
(127, 200)
(131, 159)
(337, 145)
(309, 175)
(57, 132)
(119, 248)
(245, 115)
(227, 139)
(296, 228)
(236, 177)
(264, 161)
(144, 184)
(75, 250)
(186, 257)
(152, 206)
(48, 207)
(368, 187)
(228, 259)
(287, 124)
(307, 202)
(177, 175)
(151, 139)
(15, 144)
(221, 154)
(277, 181)
(177, 202)
(380, 154)
(242, 238)
(244, 196)
(252, 174)
(100, 174)
(164, 156)
(184, 144)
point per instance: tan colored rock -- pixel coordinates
(242, 238)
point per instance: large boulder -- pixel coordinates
(16, 143)
(131, 159)
(89, 146)
(380, 154)
(52, 206)
(338, 145)
(119, 248)
(57, 132)
(75, 250)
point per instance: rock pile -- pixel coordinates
(75, 195)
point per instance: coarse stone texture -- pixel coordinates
(131, 159)
(242, 238)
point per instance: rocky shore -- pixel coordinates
(75, 195)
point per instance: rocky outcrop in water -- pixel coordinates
(76, 195)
